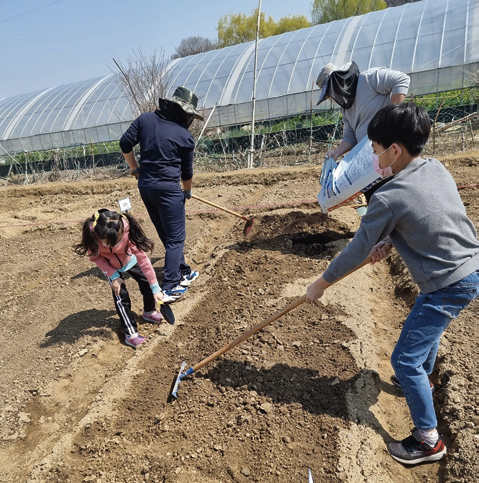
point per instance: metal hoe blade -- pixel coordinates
(248, 226)
(181, 375)
(176, 382)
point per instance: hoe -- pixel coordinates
(182, 374)
(249, 221)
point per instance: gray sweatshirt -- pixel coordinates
(373, 92)
(421, 211)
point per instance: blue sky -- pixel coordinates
(45, 43)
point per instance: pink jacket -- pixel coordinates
(110, 259)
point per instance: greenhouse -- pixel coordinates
(431, 40)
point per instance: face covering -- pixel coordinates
(171, 111)
(342, 85)
(383, 172)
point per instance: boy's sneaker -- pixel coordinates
(395, 381)
(186, 280)
(413, 449)
(174, 294)
(152, 316)
(134, 341)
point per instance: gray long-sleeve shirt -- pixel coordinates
(374, 90)
(421, 211)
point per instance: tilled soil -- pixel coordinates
(309, 391)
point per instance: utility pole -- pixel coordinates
(251, 148)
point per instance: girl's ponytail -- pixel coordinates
(89, 242)
(137, 235)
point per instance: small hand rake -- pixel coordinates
(249, 221)
(182, 374)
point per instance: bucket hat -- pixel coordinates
(187, 100)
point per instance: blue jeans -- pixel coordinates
(167, 212)
(415, 353)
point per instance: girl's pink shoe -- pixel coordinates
(153, 316)
(135, 341)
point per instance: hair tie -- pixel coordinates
(95, 216)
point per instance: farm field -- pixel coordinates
(310, 391)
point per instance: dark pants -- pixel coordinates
(123, 302)
(166, 209)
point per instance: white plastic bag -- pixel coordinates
(353, 175)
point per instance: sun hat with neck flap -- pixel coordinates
(338, 83)
(187, 100)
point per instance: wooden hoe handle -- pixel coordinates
(266, 322)
(250, 332)
(219, 207)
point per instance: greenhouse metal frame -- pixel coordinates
(431, 40)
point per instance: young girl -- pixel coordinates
(116, 243)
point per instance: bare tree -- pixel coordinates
(145, 79)
(194, 45)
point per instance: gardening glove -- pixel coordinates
(135, 172)
(187, 194)
(329, 166)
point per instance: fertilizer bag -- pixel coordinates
(353, 175)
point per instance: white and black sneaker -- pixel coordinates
(187, 280)
(174, 294)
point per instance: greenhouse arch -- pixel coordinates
(431, 40)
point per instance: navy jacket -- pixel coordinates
(166, 151)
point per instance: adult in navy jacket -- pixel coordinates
(166, 157)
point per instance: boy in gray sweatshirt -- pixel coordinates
(420, 213)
